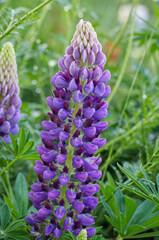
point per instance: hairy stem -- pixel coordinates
(19, 21)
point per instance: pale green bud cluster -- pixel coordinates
(82, 235)
(8, 69)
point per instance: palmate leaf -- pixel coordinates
(131, 219)
(146, 188)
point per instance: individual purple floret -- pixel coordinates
(10, 102)
(67, 175)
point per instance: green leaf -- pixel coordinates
(111, 180)
(134, 229)
(136, 180)
(157, 182)
(7, 146)
(11, 206)
(108, 209)
(130, 208)
(21, 194)
(113, 223)
(21, 140)
(27, 147)
(14, 143)
(30, 156)
(145, 235)
(120, 200)
(142, 212)
(135, 190)
(15, 236)
(72, 236)
(5, 216)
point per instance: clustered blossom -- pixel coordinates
(10, 102)
(67, 175)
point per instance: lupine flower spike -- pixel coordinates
(63, 193)
(10, 102)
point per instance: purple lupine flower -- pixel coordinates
(64, 192)
(10, 102)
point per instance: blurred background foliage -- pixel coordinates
(133, 61)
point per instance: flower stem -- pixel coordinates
(20, 20)
(70, 151)
(4, 169)
(129, 46)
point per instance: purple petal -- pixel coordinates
(105, 77)
(73, 69)
(90, 148)
(70, 195)
(63, 114)
(78, 97)
(99, 90)
(78, 206)
(43, 212)
(90, 232)
(86, 219)
(81, 176)
(88, 112)
(68, 224)
(60, 212)
(72, 85)
(49, 229)
(77, 162)
(63, 136)
(61, 158)
(100, 114)
(100, 142)
(5, 127)
(77, 122)
(90, 131)
(84, 56)
(48, 174)
(89, 87)
(89, 189)
(97, 73)
(90, 202)
(95, 175)
(63, 179)
(60, 82)
(53, 194)
(76, 143)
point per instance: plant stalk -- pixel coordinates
(20, 20)
(4, 169)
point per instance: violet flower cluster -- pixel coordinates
(67, 175)
(10, 102)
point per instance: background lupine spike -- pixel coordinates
(10, 102)
(68, 171)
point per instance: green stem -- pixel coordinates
(4, 169)
(124, 63)
(19, 21)
(119, 37)
(70, 151)
(119, 238)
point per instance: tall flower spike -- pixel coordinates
(63, 194)
(10, 102)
